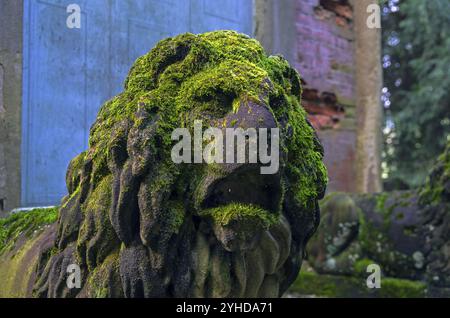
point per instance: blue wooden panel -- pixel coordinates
(69, 73)
(55, 60)
(63, 86)
(207, 15)
(138, 25)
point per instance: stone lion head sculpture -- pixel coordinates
(140, 225)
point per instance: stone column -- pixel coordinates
(274, 26)
(11, 13)
(368, 90)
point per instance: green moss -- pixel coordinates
(402, 288)
(309, 283)
(102, 277)
(101, 293)
(360, 266)
(101, 196)
(409, 230)
(176, 216)
(100, 199)
(26, 222)
(381, 203)
(223, 215)
(74, 172)
(304, 156)
(376, 245)
(435, 189)
(17, 267)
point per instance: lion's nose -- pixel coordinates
(249, 114)
(250, 119)
(242, 134)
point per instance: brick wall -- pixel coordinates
(325, 60)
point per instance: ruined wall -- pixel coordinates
(325, 59)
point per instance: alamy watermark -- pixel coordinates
(374, 279)
(374, 19)
(231, 148)
(73, 20)
(74, 278)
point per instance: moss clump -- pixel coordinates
(74, 171)
(223, 215)
(310, 283)
(103, 278)
(304, 153)
(24, 223)
(176, 216)
(381, 203)
(360, 266)
(402, 288)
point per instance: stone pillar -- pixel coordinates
(368, 90)
(274, 26)
(11, 13)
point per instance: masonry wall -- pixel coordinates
(325, 59)
(10, 103)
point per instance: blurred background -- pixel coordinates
(379, 97)
(416, 88)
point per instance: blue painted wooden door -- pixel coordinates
(70, 72)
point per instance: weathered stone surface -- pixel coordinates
(139, 225)
(434, 199)
(406, 233)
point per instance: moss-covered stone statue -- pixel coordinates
(139, 225)
(406, 233)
